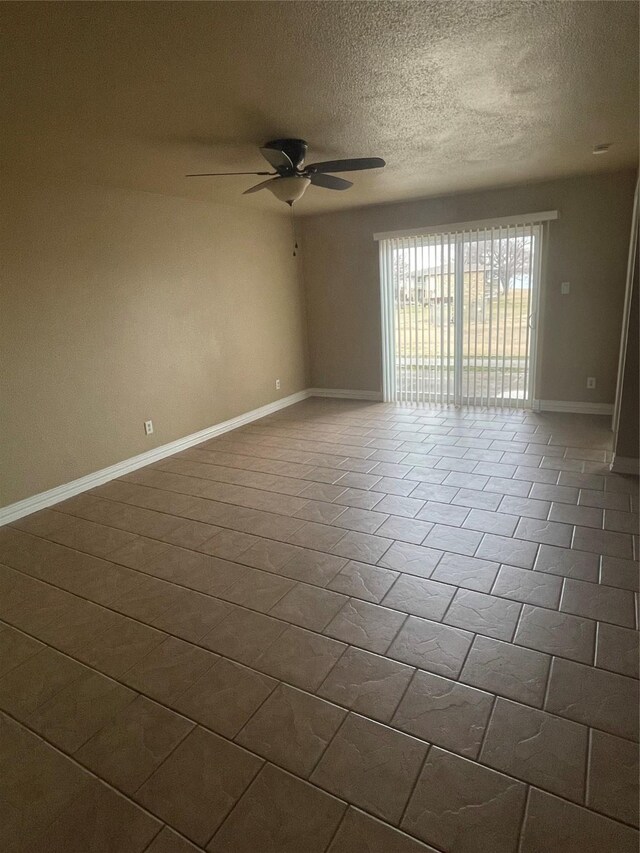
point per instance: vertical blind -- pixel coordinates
(459, 309)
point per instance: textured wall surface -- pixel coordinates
(587, 246)
(117, 307)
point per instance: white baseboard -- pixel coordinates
(343, 394)
(625, 465)
(574, 406)
(17, 510)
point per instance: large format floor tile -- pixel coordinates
(347, 628)
(538, 748)
(445, 713)
(372, 766)
(460, 805)
(198, 784)
(279, 814)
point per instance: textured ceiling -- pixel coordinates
(454, 95)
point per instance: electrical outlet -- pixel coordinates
(277, 384)
(148, 427)
(565, 288)
(591, 381)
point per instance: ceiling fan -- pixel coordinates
(291, 177)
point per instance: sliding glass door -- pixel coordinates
(458, 315)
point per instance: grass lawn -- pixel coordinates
(417, 336)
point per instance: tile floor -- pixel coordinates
(349, 627)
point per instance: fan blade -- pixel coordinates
(222, 174)
(329, 181)
(259, 186)
(347, 165)
(278, 159)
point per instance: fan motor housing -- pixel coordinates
(295, 149)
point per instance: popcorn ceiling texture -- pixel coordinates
(454, 95)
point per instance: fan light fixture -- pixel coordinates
(289, 189)
(291, 177)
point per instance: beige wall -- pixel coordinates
(121, 306)
(580, 333)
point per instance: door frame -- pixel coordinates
(539, 225)
(624, 334)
